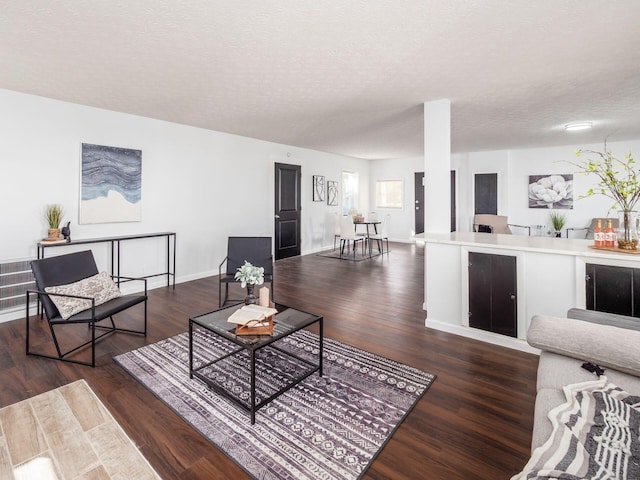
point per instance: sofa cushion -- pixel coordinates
(99, 287)
(595, 435)
(607, 346)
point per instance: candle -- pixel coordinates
(264, 297)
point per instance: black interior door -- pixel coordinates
(288, 210)
(419, 199)
(492, 293)
(453, 201)
(486, 193)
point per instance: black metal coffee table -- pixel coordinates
(253, 356)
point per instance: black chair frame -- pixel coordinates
(91, 316)
(255, 250)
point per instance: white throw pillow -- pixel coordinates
(99, 287)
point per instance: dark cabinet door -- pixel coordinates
(492, 293)
(613, 289)
(480, 291)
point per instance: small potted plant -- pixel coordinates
(557, 220)
(249, 276)
(53, 214)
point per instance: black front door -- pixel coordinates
(288, 208)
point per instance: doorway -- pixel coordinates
(486, 193)
(419, 201)
(288, 206)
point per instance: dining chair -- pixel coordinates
(348, 234)
(382, 233)
(488, 223)
(587, 232)
(336, 228)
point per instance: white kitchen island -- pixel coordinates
(550, 278)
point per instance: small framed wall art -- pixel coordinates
(318, 188)
(332, 193)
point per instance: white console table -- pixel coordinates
(116, 242)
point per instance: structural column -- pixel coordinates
(437, 166)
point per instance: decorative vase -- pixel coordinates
(250, 299)
(628, 228)
(558, 234)
(53, 233)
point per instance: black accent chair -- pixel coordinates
(71, 268)
(256, 251)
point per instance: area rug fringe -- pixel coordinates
(329, 427)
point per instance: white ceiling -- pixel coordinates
(349, 76)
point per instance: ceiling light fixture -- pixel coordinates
(571, 127)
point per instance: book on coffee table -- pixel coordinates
(253, 320)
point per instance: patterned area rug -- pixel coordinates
(329, 427)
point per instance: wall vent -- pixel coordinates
(15, 279)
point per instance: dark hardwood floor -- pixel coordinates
(475, 422)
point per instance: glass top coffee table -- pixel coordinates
(251, 370)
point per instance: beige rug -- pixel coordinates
(65, 434)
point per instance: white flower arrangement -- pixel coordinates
(249, 275)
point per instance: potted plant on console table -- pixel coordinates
(53, 214)
(620, 181)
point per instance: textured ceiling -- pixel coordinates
(349, 76)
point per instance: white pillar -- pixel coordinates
(437, 166)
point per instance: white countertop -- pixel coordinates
(551, 245)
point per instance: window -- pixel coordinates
(389, 194)
(349, 192)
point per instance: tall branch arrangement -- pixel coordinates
(619, 179)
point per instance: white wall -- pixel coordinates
(202, 184)
(402, 222)
(513, 168)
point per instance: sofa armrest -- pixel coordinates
(605, 345)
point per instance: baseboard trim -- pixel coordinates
(487, 337)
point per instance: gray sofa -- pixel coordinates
(609, 341)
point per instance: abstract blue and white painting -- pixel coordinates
(111, 188)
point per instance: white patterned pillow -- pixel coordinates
(100, 287)
(595, 436)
